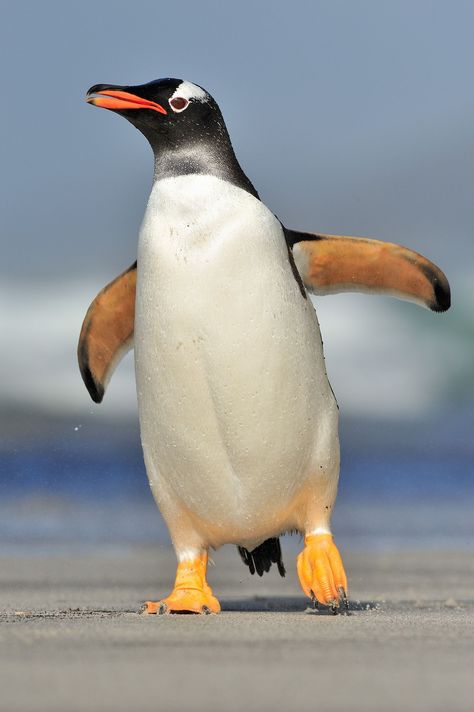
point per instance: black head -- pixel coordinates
(182, 123)
(161, 108)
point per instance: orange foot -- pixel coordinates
(191, 593)
(321, 571)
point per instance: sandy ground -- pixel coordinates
(71, 638)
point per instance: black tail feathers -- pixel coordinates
(262, 557)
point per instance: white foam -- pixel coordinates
(382, 359)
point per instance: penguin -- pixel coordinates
(238, 421)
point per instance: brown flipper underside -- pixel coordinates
(107, 332)
(335, 263)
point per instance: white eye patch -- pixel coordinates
(188, 90)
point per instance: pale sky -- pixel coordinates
(348, 116)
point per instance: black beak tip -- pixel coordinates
(97, 88)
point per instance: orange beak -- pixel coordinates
(119, 100)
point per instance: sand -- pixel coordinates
(71, 637)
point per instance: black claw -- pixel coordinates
(143, 609)
(162, 609)
(314, 601)
(334, 607)
(206, 610)
(343, 597)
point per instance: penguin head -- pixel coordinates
(172, 111)
(182, 123)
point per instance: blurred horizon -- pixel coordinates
(384, 358)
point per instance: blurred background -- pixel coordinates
(350, 118)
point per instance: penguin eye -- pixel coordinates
(178, 103)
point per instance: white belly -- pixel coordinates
(236, 412)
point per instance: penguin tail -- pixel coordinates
(262, 557)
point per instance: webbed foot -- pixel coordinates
(321, 572)
(191, 593)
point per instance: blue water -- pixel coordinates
(78, 491)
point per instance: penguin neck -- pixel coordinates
(205, 156)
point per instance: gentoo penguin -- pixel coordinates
(238, 421)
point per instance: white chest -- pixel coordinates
(231, 381)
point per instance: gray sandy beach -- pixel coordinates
(71, 637)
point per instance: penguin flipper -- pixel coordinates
(107, 332)
(336, 263)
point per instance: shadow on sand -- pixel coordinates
(288, 604)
